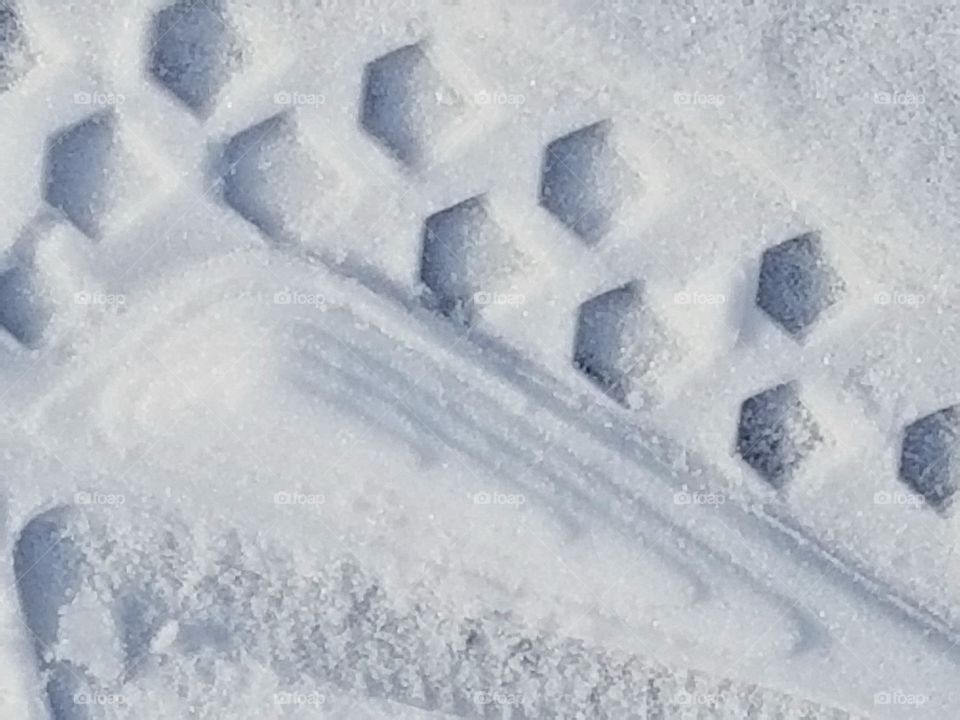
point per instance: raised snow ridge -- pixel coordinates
(797, 283)
(777, 433)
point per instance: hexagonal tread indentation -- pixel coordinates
(467, 253)
(622, 346)
(797, 284)
(777, 433)
(91, 177)
(407, 104)
(195, 52)
(930, 457)
(265, 169)
(40, 284)
(16, 59)
(585, 181)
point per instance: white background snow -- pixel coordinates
(250, 469)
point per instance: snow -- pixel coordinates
(476, 360)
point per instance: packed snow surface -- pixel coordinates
(438, 359)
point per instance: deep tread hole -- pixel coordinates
(797, 284)
(777, 433)
(585, 181)
(930, 455)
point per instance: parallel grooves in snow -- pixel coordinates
(751, 538)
